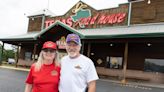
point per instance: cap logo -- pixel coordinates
(73, 37)
(49, 45)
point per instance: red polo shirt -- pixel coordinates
(45, 80)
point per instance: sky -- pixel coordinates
(13, 13)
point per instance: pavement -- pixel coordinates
(129, 83)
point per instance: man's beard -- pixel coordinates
(72, 54)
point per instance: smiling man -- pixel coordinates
(77, 71)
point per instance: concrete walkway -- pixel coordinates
(15, 68)
(135, 84)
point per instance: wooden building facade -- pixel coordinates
(124, 42)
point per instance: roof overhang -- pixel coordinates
(63, 25)
(31, 36)
(23, 37)
(133, 31)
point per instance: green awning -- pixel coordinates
(133, 31)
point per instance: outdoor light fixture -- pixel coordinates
(111, 44)
(149, 44)
(149, 1)
(32, 18)
(92, 53)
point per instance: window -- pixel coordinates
(28, 56)
(154, 65)
(114, 62)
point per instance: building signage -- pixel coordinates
(97, 19)
(61, 43)
(82, 17)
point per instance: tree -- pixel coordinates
(6, 54)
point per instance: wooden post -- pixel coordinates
(34, 51)
(17, 58)
(125, 63)
(43, 20)
(82, 47)
(89, 49)
(1, 58)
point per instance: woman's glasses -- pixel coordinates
(49, 50)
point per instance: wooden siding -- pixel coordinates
(35, 24)
(142, 12)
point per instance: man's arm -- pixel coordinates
(92, 86)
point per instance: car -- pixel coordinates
(11, 61)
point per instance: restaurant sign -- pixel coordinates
(61, 43)
(82, 17)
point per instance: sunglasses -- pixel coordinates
(49, 50)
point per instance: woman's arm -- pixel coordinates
(28, 88)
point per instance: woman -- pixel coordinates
(44, 74)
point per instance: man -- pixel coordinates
(77, 71)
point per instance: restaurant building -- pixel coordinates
(125, 42)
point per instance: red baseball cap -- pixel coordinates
(49, 45)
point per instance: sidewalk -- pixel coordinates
(135, 84)
(15, 68)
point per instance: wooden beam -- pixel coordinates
(89, 49)
(1, 58)
(125, 63)
(34, 51)
(17, 58)
(82, 47)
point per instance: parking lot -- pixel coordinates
(13, 81)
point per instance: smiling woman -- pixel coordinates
(44, 74)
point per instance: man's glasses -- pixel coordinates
(49, 50)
